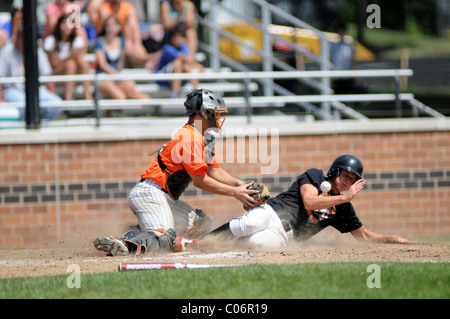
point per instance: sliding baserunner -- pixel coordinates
(304, 210)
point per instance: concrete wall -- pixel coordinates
(70, 185)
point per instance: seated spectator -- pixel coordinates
(175, 58)
(14, 22)
(153, 41)
(110, 54)
(66, 51)
(54, 10)
(175, 12)
(12, 64)
(152, 34)
(127, 17)
(3, 38)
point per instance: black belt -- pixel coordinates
(143, 180)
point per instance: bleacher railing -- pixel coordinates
(246, 102)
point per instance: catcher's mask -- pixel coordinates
(348, 162)
(208, 105)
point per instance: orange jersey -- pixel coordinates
(122, 14)
(185, 151)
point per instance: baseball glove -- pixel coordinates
(263, 194)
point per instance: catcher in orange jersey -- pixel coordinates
(188, 157)
(307, 208)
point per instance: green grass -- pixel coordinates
(333, 280)
(389, 44)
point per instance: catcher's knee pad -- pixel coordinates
(140, 242)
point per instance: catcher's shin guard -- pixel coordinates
(166, 239)
(137, 242)
(140, 242)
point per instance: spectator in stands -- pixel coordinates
(342, 55)
(175, 12)
(12, 65)
(54, 10)
(15, 20)
(127, 16)
(175, 58)
(3, 38)
(110, 54)
(66, 51)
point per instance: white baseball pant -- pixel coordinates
(260, 228)
(155, 209)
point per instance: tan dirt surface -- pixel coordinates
(320, 249)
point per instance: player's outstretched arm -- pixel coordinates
(363, 234)
(241, 192)
(223, 176)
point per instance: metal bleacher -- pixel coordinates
(244, 89)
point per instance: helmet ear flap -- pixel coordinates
(333, 172)
(193, 102)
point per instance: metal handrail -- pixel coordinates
(232, 102)
(295, 46)
(324, 42)
(251, 75)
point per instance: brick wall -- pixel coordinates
(74, 191)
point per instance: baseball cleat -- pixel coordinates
(183, 244)
(111, 246)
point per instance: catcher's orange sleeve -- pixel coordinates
(185, 151)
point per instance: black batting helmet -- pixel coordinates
(349, 163)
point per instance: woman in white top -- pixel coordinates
(66, 51)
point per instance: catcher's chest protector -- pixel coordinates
(178, 181)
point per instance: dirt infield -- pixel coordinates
(320, 249)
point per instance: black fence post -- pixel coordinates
(32, 107)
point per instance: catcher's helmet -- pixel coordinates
(208, 105)
(348, 162)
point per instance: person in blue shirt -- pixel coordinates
(175, 58)
(181, 12)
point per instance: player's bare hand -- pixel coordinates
(242, 195)
(355, 189)
(399, 240)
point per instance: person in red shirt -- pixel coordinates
(188, 157)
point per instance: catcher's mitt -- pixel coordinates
(263, 194)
